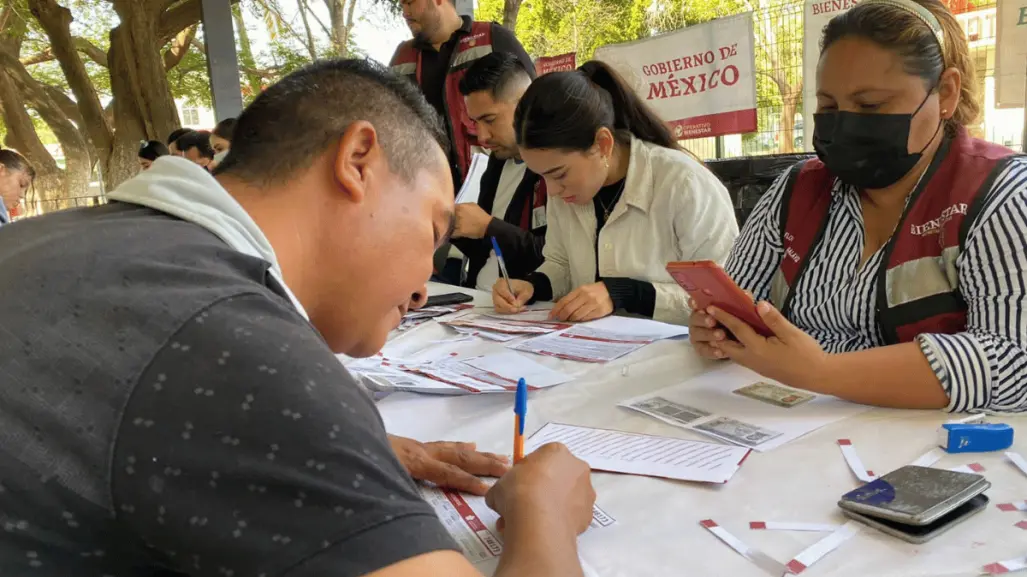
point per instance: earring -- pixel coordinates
(606, 162)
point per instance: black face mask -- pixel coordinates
(864, 149)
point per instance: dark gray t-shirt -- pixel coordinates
(164, 410)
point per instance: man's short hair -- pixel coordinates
(153, 149)
(496, 73)
(295, 121)
(198, 139)
(177, 133)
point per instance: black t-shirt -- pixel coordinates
(166, 411)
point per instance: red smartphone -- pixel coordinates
(709, 285)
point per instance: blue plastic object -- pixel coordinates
(975, 437)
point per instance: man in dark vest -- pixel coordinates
(511, 206)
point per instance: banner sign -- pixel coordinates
(701, 79)
(561, 63)
(1011, 54)
(817, 14)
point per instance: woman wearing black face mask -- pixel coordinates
(897, 260)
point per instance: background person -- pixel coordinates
(195, 147)
(443, 46)
(150, 151)
(626, 201)
(201, 423)
(16, 176)
(221, 140)
(512, 204)
(175, 135)
(907, 284)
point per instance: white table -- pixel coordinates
(657, 531)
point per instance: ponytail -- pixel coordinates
(563, 110)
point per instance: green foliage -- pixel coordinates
(189, 81)
(551, 27)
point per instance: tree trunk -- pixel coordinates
(349, 27)
(311, 45)
(56, 21)
(341, 13)
(143, 106)
(790, 97)
(246, 53)
(510, 10)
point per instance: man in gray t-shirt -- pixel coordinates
(170, 400)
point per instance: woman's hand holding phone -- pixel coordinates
(789, 355)
(703, 332)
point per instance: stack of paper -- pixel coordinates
(602, 340)
(473, 524)
(496, 373)
(647, 455)
(501, 328)
(418, 316)
(744, 408)
(471, 189)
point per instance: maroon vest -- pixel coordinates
(918, 285)
(471, 47)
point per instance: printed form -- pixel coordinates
(473, 525)
(636, 454)
(497, 373)
(601, 341)
(503, 325)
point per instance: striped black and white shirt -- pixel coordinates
(983, 368)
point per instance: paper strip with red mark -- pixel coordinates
(852, 458)
(1014, 506)
(929, 458)
(791, 526)
(759, 558)
(1009, 566)
(971, 468)
(821, 548)
(1018, 460)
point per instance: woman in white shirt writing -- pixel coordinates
(624, 201)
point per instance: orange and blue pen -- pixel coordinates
(520, 415)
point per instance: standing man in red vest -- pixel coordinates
(444, 46)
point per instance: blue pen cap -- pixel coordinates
(495, 247)
(975, 437)
(521, 403)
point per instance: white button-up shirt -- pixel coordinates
(672, 209)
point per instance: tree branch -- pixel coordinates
(83, 45)
(56, 21)
(263, 73)
(65, 104)
(179, 47)
(180, 17)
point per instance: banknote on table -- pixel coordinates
(737, 432)
(775, 394)
(665, 409)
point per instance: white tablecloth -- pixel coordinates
(657, 531)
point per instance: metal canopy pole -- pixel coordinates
(222, 60)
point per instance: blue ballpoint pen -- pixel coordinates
(502, 266)
(520, 416)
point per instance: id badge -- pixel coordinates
(538, 217)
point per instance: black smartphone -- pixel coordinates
(448, 299)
